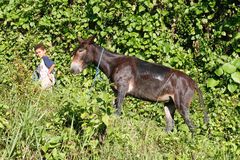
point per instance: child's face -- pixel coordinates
(40, 52)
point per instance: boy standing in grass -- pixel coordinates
(46, 67)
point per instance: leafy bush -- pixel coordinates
(199, 37)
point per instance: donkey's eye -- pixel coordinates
(81, 50)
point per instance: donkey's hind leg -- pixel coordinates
(169, 109)
(185, 114)
(185, 103)
(182, 104)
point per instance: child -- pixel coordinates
(46, 67)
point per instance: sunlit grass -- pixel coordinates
(66, 124)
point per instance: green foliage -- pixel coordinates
(71, 122)
(59, 125)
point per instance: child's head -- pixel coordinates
(40, 50)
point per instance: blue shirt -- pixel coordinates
(48, 62)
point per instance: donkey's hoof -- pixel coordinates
(117, 113)
(168, 130)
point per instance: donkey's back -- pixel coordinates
(154, 82)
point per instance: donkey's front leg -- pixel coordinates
(121, 78)
(120, 97)
(169, 109)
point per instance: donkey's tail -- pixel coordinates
(201, 101)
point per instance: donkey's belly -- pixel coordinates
(150, 90)
(152, 97)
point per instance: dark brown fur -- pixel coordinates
(140, 79)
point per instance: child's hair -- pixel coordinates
(41, 46)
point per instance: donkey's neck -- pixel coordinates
(105, 62)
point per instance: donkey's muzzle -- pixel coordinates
(75, 68)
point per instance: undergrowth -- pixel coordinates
(73, 123)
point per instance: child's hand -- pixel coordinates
(50, 77)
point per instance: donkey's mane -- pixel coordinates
(107, 52)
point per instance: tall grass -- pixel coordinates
(55, 125)
(24, 130)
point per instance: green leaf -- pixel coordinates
(55, 153)
(223, 33)
(166, 48)
(183, 127)
(204, 21)
(236, 63)
(85, 115)
(25, 26)
(45, 148)
(1, 14)
(103, 33)
(55, 140)
(105, 119)
(210, 16)
(141, 8)
(1, 125)
(232, 87)
(96, 9)
(149, 4)
(219, 71)
(236, 77)
(211, 83)
(229, 68)
(198, 11)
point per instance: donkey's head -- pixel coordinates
(82, 55)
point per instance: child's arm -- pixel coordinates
(49, 63)
(51, 69)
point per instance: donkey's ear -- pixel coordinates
(90, 40)
(79, 40)
(82, 42)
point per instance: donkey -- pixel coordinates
(140, 79)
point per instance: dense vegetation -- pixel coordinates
(198, 37)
